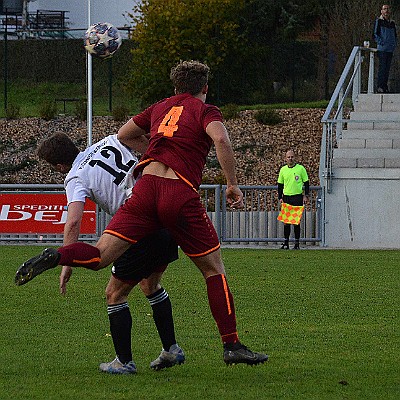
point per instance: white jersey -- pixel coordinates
(103, 173)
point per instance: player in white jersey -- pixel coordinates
(102, 173)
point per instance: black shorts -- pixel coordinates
(295, 200)
(148, 255)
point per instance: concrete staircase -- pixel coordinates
(362, 210)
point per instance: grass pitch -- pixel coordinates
(329, 321)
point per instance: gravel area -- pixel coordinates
(260, 149)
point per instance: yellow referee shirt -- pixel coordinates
(292, 179)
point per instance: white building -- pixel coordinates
(114, 12)
(74, 13)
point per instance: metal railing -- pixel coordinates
(255, 224)
(350, 82)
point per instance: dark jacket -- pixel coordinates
(385, 34)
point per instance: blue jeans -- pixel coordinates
(385, 59)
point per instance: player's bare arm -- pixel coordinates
(73, 223)
(218, 133)
(133, 136)
(71, 235)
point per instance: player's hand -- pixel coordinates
(66, 273)
(234, 197)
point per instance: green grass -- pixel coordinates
(30, 96)
(329, 320)
(288, 105)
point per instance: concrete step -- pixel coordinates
(370, 134)
(377, 102)
(374, 120)
(375, 116)
(366, 153)
(374, 97)
(385, 107)
(366, 163)
(366, 173)
(360, 143)
(366, 158)
(371, 124)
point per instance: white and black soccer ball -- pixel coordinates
(102, 40)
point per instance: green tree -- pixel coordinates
(248, 44)
(275, 28)
(167, 31)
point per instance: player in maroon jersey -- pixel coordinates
(182, 129)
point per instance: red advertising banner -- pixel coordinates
(40, 213)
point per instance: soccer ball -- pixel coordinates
(102, 40)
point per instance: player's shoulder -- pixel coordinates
(211, 107)
(211, 112)
(94, 147)
(112, 140)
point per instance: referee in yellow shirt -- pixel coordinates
(293, 189)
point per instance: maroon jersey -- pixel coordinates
(178, 137)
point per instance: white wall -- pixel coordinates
(361, 212)
(100, 11)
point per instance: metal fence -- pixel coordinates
(256, 224)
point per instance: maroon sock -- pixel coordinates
(222, 307)
(80, 255)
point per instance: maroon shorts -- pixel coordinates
(158, 203)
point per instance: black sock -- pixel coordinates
(297, 232)
(162, 315)
(121, 327)
(286, 233)
(233, 346)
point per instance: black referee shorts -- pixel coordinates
(148, 255)
(295, 200)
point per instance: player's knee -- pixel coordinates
(149, 286)
(114, 296)
(109, 295)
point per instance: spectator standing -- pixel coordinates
(293, 189)
(385, 35)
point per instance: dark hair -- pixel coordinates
(189, 76)
(58, 149)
